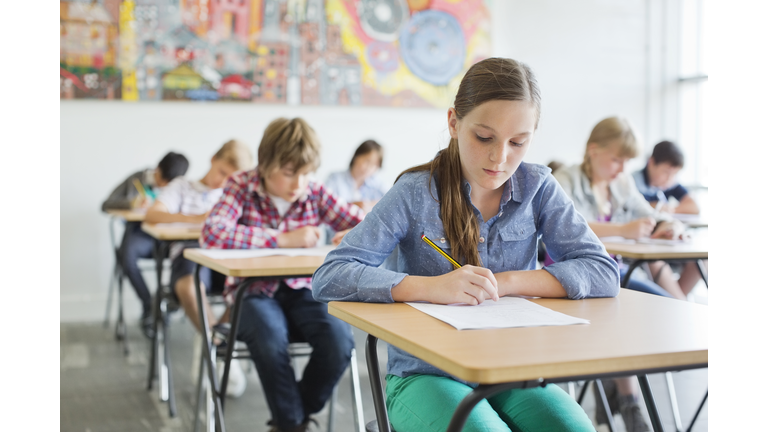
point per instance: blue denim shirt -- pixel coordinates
(533, 207)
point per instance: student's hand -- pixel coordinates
(665, 207)
(140, 202)
(670, 230)
(338, 236)
(468, 284)
(639, 228)
(304, 237)
(144, 203)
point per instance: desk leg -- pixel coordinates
(157, 252)
(704, 276)
(372, 359)
(208, 357)
(650, 403)
(698, 411)
(632, 267)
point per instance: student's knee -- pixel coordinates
(427, 403)
(336, 342)
(541, 409)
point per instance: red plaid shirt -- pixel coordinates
(245, 218)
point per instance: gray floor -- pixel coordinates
(103, 390)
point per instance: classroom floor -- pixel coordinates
(104, 391)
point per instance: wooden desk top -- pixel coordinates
(633, 331)
(694, 249)
(258, 267)
(135, 215)
(172, 232)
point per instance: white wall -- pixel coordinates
(591, 59)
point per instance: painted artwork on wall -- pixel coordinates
(313, 52)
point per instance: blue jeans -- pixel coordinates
(267, 325)
(645, 286)
(136, 244)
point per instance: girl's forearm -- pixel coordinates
(534, 283)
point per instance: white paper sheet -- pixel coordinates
(668, 242)
(258, 253)
(616, 239)
(507, 312)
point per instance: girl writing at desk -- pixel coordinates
(483, 206)
(610, 201)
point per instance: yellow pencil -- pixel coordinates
(139, 188)
(437, 248)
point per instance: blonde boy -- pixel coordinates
(277, 205)
(185, 200)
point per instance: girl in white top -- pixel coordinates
(609, 200)
(359, 184)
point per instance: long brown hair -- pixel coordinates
(487, 80)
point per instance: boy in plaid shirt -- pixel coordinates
(276, 205)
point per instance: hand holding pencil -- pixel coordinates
(466, 284)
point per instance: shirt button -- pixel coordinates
(482, 239)
(442, 239)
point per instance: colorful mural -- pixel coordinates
(313, 52)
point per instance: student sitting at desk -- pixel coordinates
(482, 205)
(190, 201)
(272, 206)
(136, 243)
(657, 180)
(607, 198)
(359, 184)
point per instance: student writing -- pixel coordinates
(359, 184)
(276, 205)
(609, 200)
(136, 243)
(486, 208)
(185, 200)
(657, 179)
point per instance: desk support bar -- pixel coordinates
(632, 267)
(484, 391)
(217, 389)
(372, 359)
(645, 387)
(703, 272)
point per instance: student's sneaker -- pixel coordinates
(147, 324)
(237, 379)
(632, 415)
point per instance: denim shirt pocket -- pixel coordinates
(519, 245)
(434, 263)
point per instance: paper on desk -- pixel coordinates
(668, 242)
(616, 239)
(258, 253)
(507, 312)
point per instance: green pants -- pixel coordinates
(424, 403)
